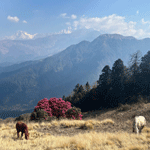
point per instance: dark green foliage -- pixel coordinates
(134, 63)
(77, 94)
(76, 88)
(104, 86)
(81, 90)
(105, 77)
(39, 114)
(73, 111)
(87, 87)
(19, 118)
(143, 77)
(63, 97)
(124, 107)
(61, 118)
(23, 117)
(117, 86)
(68, 98)
(51, 118)
(33, 116)
(118, 77)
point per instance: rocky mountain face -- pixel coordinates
(23, 85)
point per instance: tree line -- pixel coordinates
(115, 86)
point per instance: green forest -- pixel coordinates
(119, 85)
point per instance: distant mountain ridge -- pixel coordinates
(16, 51)
(26, 83)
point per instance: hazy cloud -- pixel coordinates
(13, 19)
(24, 21)
(137, 12)
(145, 22)
(19, 35)
(63, 15)
(68, 23)
(68, 31)
(73, 16)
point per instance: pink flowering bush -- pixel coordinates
(55, 107)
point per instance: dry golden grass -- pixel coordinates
(87, 141)
(111, 130)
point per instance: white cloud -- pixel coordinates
(73, 16)
(111, 24)
(137, 12)
(145, 22)
(14, 19)
(24, 21)
(66, 31)
(75, 24)
(63, 15)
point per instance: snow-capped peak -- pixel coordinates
(21, 35)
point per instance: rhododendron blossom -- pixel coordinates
(55, 107)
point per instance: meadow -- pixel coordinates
(99, 130)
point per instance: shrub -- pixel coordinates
(51, 118)
(74, 113)
(10, 119)
(33, 116)
(59, 107)
(39, 114)
(23, 117)
(54, 107)
(124, 107)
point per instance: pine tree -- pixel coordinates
(117, 82)
(81, 90)
(103, 86)
(104, 78)
(87, 87)
(134, 65)
(145, 74)
(76, 88)
(63, 97)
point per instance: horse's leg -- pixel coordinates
(18, 134)
(21, 134)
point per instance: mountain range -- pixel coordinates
(23, 85)
(25, 47)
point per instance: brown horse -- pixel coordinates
(20, 126)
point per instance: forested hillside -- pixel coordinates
(23, 85)
(116, 85)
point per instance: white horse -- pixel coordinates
(138, 124)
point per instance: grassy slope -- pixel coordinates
(107, 129)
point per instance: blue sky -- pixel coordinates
(126, 17)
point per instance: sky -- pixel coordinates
(125, 17)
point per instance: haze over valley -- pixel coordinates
(19, 48)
